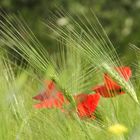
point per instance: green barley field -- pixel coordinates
(82, 90)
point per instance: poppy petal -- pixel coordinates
(125, 72)
(80, 97)
(103, 91)
(88, 106)
(52, 102)
(42, 96)
(48, 104)
(50, 88)
(50, 85)
(38, 97)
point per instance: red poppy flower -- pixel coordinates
(49, 91)
(110, 87)
(51, 102)
(87, 104)
(50, 97)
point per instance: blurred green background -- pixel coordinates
(120, 18)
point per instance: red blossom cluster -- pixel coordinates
(86, 104)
